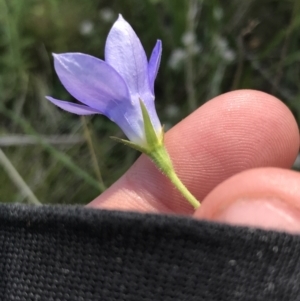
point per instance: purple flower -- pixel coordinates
(113, 87)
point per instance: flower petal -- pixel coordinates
(125, 53)
(91, 80)
(154, 62)
(73, 107)
(131, 123)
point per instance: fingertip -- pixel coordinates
(267, 198)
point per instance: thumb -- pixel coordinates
(267, 198)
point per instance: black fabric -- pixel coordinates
(77, 254)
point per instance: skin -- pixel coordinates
(234, 154)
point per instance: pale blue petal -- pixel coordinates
(91, 81)
(125, 53)
(154, 63)
(131, 123)
(73, 107)
(129, 119)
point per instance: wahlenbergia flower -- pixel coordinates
(113, 87)
(120, 87)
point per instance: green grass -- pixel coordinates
(209, 47)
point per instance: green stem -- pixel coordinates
(161, 158)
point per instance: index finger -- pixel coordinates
(231, 133)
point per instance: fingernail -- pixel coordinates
(267, 213)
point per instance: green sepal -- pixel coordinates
(151, 136)
(130, 144)
(156, 150)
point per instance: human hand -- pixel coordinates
(233, 154)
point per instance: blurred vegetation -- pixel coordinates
(209, 47)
